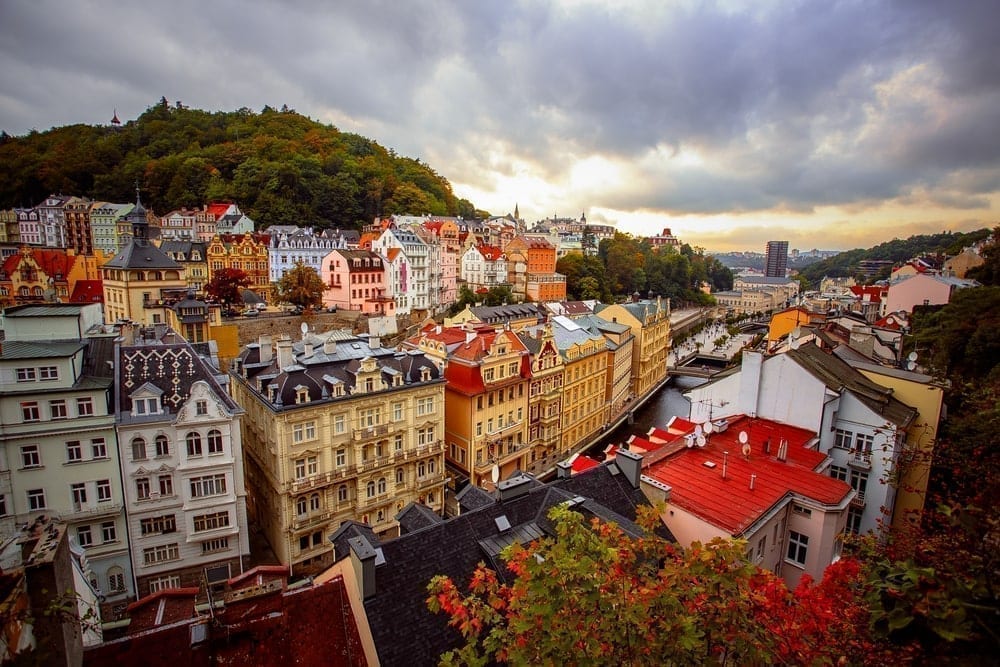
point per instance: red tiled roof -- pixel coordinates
(366, 240)
(874, 292)
(729, 503)
(218, 209)
(87, 291)
(490, 252)
(581, 463)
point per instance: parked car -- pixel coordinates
(251, 312)
(262, 306)
(331, 309)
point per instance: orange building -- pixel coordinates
(531, 269)
(44, 275)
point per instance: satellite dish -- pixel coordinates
(495, 473)
(794, 343)
(744, 438)
(912, 356)
(746, 449)
(910, 365)
(796, 332)
(698, 431)
(709, 428)
(303, 327)
(701, 441)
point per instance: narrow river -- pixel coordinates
(656, 412)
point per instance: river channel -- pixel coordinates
(656, 412)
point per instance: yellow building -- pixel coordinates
(650, 324)
(246, 252)
(926, 396)
(486, 400)
(784, 322)
(336, 429)
(545, 398)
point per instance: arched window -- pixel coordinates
(300, 506)
(421, 469)
(193, 444)
(430, 466)
(342, 493)
(138, 449)
(381, 485)
(116, 579)
(214, 442)
(162, 446)
(371, 489)
(314, 502)
(400, 476)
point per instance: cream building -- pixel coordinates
(650, 324)
(58, 451)
(337, 428)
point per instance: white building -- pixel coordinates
(58, 452)
(859, 424)
(291, 244)
(418, 256)
(483, 267)
(182, 463)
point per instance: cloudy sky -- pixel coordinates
(829, 124)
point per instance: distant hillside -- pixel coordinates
(897, 250)
(279, 166)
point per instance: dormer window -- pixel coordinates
(146, 406)
(301, 394)
(425, 374)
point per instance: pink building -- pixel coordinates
(449, 276)
(922, 289)
(357, 280)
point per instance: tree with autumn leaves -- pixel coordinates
(301, 286)
(596, 595)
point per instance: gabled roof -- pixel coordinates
(838, 376)
(87, 291)
(403, 629)
(695, 474)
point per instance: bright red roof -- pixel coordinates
(87, 291)
(490, 252)
(581, 463)
(729, 503)
(218, 209)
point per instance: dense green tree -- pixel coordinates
(499, 295)
(301, 286)
(280, 167)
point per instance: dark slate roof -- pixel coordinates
(405, 632)
(138, 255)
(415, 516)
(838, 376)
(348, 530)
(170, 364)
(494, 314)
(319, 370)
(44, 310)
(473, 497)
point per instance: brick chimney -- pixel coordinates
(363, 561)
(266, 352)
(286, 357)
(515, 487)
(630, 464)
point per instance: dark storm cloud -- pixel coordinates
(789, 106)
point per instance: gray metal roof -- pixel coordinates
(47, 350)
(42, 310)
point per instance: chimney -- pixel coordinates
(266, 351)
(286, 357)
(329, 346)
(307, 349)
(515, 487)
(374, 342)
(469, 335)
(782, 450)
(630, 464)
(363, 560)
(564, 470)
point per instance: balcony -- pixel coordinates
(500, 430)
(372, 464)
(429, 481)
(366, 502)
(550, 419)
(858, 500)
(500, 459)
(861, 460)
(97, 511)
(317, 480)
(311, 521)
(430, 448)
(364, 434)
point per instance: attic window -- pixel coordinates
(301, 394)
(425, 374)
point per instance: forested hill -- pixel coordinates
(897, 250)
(278, 166)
